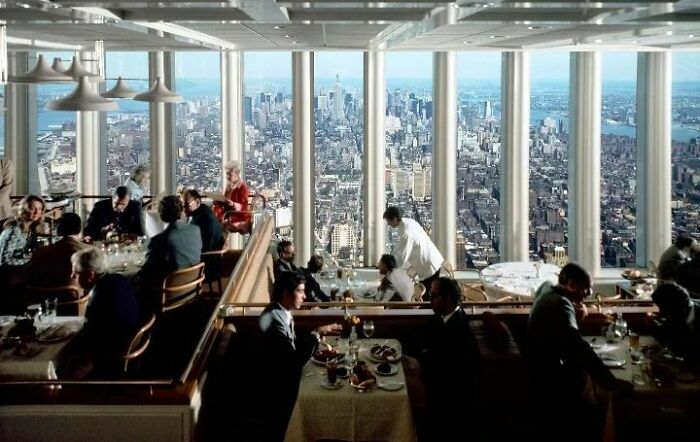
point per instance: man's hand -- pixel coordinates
(581, 311)
(330, 329)
(108, 228)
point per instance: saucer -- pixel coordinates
(327, 386)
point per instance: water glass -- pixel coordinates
(353, 353)
(50, 307)
(332, 371)
(368, 328)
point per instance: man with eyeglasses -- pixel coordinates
(561, 361)
(119, 214)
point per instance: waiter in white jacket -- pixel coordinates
(415, 249)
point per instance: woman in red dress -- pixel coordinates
(233, 210)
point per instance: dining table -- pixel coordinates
(519, 280)
(363, 283)
(350, 414)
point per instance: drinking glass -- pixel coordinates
(50, 306)
(332, 371)
(368, 328)
(34, 310)
(353, 353)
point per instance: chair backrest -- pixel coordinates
(418, 291)
(139, 343)
(182, 286)
(447, 267)
(473, 292)
(653, 268)
(71, 299)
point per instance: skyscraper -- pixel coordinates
(338, 95)
(248, 109)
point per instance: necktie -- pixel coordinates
(291, 327)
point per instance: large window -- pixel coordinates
(478, 158)
(618, 167)
(409, 115)
(685, 159)
(267, 111)
(2, 121)
(198, 120)
(55, 134)
(549, 153)
(338, 114)
(128, 128)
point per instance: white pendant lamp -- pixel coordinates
(58, 66)
(120, 90)
(83, 98)
(41, 73)
(77, 70)
(158, 94)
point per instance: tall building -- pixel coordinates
(342, 237)
(248, 109)
(338, 108)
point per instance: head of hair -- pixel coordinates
(170, 209)
(69, 224)
(122, 192)
(282, 246)
(449, 288)
(315, 263)
(23, 209)
(392, 212)
(389, 261)
(575, 274)
(672, 299)
(684, 241)
(233, 165)
(286, 282)
(139, 172)
(88, 259)
(193, 193)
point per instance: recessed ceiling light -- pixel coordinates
(467, 42)
(635, 42)
(691, 36)
(295, 42)
(455, 5)
(669, 32)
(670, 23)
(287, 36)
(598, 41)
(278, 27)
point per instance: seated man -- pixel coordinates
(680, 326)
(313, 290)
(285, 263)
(674, 256)
(177, 247)
(396, 285)
(203, 217)
(688, 274)
(119, 215)
(449, 359)
(559, 359)
(50, 265)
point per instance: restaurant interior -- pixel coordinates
(189, 372)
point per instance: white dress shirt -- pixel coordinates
(400, 283)
(416, 250)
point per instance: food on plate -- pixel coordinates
(361, 377)
(384, 352)
(384, 368)
(630, 273)
(327, 354)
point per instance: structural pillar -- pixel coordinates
(584, 161)
(373, 196)
(161, 127)
(444, 176)
(515, 126)
(303, 154)
(20, 126)
(653, 155)
(87, 144)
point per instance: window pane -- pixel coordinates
(478, 158)
(409, 113)
(339, 136)
(55, 134)
(198, 120)
(2, 123)
(267, 111)
(685, 159)
(549, 153)
(618, 162)
(127, 129)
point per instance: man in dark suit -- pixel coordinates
(285, 351)
(313, 290)
(285, 263)
(119, 214)
(177, 247)
(559, 360)
(449, 359)
(680, 321)
(203, 217)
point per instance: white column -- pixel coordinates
(515, 127)
(87, 145)
(373, 160)
(161, 128)
(444, 176)
(20, 126)
(303, 154)
(653, 155)
(584, 161)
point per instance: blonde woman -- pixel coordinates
(19, 233)
(232, 208)
(138, 182)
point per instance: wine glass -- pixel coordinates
(368, 328)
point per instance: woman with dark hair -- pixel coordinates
(19, 232)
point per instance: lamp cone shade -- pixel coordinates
(41, 73)
(120, 90)
(77, 70)
(158, 94)
(58, 66)
(83, 98)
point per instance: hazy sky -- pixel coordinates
(618, 66)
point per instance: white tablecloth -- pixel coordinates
(347, 414)
(152, 225)
(41, 366)
(366, 280)
(519, 279)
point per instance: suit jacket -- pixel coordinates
(7, 177)
(177, 247)
(51, 266)
(669, 262)
(684, 338)
(284, 266)
(558, 356)
(209, 227)
(313, 290)
(416, 250)
(103, 214)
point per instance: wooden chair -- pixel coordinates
(71, 299)
(447, 268)
(213, 270)
(139, 343)
(474, 292)
(182, 287)
(418, 292)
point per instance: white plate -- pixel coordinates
(373, 358)
(338, 359)
(613, 362)
(328, 386)
(390, 385)
(394, 370)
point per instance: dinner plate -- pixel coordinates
(374, 358)
(613, 362)
(54, 333)
(392, 372)
(390, 385)
(338, 358)
(329, 386)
